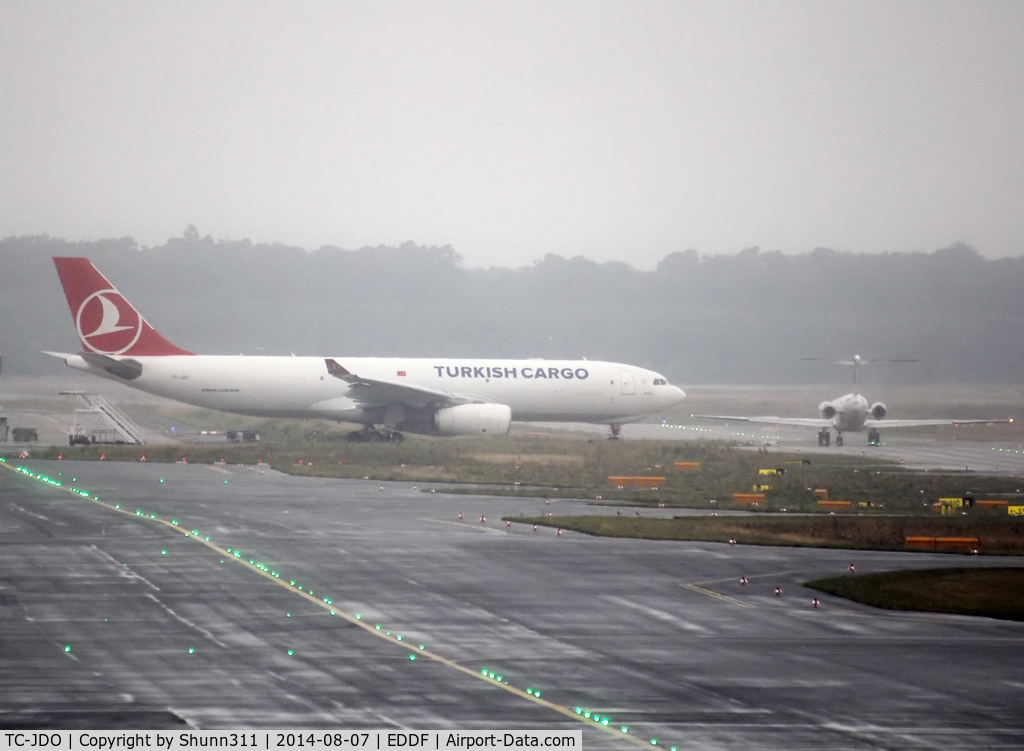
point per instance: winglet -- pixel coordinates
(334, 369)
(338, 371)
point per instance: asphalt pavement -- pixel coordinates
(117, 611)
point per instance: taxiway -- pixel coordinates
(115, 617)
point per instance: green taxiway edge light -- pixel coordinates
(163, 552)
(290, 652)
(67, 648)
(412, 657)
(625, 729)
(190, 649)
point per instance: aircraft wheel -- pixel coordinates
(397, 437)
(839, 440)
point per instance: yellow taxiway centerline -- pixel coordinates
(718, 595)
(467, 525)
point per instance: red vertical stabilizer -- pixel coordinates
(106, 323)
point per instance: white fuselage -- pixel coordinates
(301, 387)
(852, 412)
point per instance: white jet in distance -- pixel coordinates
(439, 396)
(849, 414)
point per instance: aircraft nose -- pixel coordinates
(677, 395)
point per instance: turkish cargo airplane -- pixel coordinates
(439, 396)
(849, 414)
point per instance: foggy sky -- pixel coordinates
(510, 130)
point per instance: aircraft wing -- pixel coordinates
(877, 424)
(372, 392)
(804, 422)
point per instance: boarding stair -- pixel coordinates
(122, 428)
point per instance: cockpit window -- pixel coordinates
(660, 382)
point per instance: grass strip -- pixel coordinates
(989, 592)
(996, 536)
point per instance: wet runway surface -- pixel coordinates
(905, 446)
(113, 618)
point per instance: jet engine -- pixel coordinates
(878, 410)
(473, 419)
(827, 409)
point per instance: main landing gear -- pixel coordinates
(825, 438)
(371, 434)
(615, 431)
(874, 438)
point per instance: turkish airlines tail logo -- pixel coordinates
(101, 323)
(107, 324)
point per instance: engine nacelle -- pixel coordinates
(878, 410)
(827, 410)
(473, 419)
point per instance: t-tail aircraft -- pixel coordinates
(438, 396)
(849, 414)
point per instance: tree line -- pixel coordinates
(743, 318)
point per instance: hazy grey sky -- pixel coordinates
(615, 130)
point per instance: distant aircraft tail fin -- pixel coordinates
(106, 322)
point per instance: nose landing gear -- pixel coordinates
(615, 431)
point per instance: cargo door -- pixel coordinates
(627, 382)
